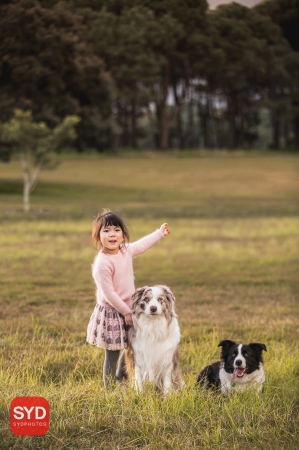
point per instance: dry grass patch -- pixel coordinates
(231, 260)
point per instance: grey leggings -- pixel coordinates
(110, 375)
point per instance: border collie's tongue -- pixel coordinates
(238, 373)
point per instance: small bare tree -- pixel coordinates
(35, 143)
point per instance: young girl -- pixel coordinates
(112, 271)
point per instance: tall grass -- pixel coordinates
(231, 260)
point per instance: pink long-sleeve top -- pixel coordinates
(113, 274)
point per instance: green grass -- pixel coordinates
(231, 260)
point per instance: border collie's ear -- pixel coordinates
(226, 344)
(138, 294)
(258, 347)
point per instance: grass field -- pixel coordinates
(231, 260)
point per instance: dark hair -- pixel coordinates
(104, 219)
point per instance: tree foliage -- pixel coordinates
(48, 66)
(167, 73)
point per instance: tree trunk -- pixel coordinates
(275, 130)
(126, 127)
(26, 184)
(164, 138)
(134, 127)
(181, 137)
(218, 132)
(180, 127)
(241, 131)
(164, 124)
(30, 180)
(162, 110)
(26, 194)
(123, 123)
(296, 130)
(231, 121)
(286, 135)
(204, 114)
(191, 137)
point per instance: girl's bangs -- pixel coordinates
(112, 220)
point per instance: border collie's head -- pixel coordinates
(153, 301)
(241, 359)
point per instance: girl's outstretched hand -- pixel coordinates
(165, 229)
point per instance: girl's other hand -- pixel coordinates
(129, 320)
(165, 229)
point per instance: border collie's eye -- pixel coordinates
(160, 299)
(142, 305)
(245, 354)
(146, 299)
(234, 354)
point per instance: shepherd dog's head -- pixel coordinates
(154, 301)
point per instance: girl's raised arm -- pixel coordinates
(145, 243)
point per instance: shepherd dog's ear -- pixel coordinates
(226, 344)
(168, 293)
(170, 299)
(138, 294)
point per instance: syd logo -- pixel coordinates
(29, 416)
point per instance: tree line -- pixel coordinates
(155, 73)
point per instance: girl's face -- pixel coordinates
(111, 238)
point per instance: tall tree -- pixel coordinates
(126, 42)
(47, 66)
(186, 24)
(147, 46)
(255, 60)
(285, 14)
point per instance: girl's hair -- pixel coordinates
(105, 219)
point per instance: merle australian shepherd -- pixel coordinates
(152, 355)
(240, 368)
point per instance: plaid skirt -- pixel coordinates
(107, 329)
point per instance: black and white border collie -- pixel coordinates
(153, 342)
(240, 368)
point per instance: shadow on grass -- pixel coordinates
(75, 201)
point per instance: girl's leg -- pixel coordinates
(121, 370)
(109, 369)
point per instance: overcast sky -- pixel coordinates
(249, 3)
